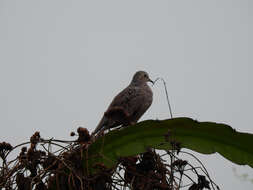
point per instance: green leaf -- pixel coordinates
(203, 137)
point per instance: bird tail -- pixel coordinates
(100, 125)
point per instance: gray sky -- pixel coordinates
(62, 62)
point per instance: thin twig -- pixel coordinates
(166, 91)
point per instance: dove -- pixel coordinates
(129, 105)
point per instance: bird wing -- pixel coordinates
(133, 101)
(122, 104)
(129, 100)
(128, 106)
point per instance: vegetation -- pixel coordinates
(143, 156)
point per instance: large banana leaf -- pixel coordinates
(203, 137)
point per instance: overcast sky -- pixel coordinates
(62, 62)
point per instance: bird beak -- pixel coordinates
(151, 81)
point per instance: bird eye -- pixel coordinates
(145, 75)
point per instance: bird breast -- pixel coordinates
(148, 95)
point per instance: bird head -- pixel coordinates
(141, 77)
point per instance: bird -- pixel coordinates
(129, 105)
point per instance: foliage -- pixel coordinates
(203, 137)
(127, 157)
